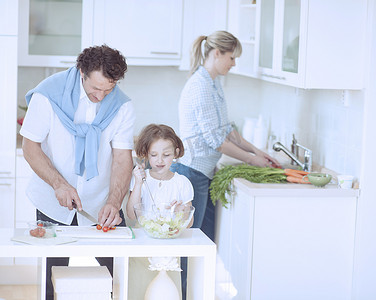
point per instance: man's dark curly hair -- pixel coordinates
(102, 58)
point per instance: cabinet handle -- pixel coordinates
(5, 184)
(2, 172)
(67, 62)
(164, 53)
(273, 76)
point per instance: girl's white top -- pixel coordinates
(177, 188)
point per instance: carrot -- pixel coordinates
(296, 173)
(288, 172)
(294, 179)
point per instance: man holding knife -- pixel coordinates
(78, 139)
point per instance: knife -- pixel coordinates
(85, 214)
(88, 216)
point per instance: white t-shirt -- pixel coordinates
(42, 125)
(177, 188)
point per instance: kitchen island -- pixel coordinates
(199, 249)
(286, 241)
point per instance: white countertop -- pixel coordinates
(289, 189)
(293, 189)
(190, 243)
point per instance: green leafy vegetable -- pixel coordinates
(163, 227)
(221, 183)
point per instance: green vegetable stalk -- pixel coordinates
(221, 183)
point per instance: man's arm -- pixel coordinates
(44, 168)
(121, 172)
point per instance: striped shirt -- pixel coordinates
(203, 121)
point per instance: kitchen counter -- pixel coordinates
(193, 243)
(293, 189)
(287, 241)
(289, 189)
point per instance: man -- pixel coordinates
(78, 139)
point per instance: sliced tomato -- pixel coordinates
(99, 227)
(105, 229)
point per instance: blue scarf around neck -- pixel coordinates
(63, 91)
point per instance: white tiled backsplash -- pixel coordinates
(318, 118)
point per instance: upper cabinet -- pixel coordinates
(8, 99)
(312, 44)
(147, 32)
(52, 33)
(200, 18)
(243, 22)
(9, 13)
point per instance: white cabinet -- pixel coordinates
(286, 244)
(8, 105)
(7, 188)
(313, 44)
(24, 209)
(234, 236)
(146, 32)
(8, 13)
(243, 22)
(53, 33)
(200, 18)
(303, 248)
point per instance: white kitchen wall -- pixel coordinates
(318, 118)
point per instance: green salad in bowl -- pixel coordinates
(164, 221)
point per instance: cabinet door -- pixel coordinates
(234, 243)
(200, 18)
(8, 105)
(51, 31)
(313, 44)
(241, 244)
(145, 31)
(267, 34)
(7, 188)
(8, 17)
(280, 31)
(303, 248)
(243, 23)
(24, 209)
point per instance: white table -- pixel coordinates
(193, 243)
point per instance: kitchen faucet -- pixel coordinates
(307, 165)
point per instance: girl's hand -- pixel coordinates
(139, 173)
(178, 205)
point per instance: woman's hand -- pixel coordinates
(262, 159)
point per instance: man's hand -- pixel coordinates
(66, 195)
(43, 167)
(109, 216)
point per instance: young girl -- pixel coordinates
(157, 146)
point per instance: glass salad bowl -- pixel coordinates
(164, 221)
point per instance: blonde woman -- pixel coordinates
(204, 126)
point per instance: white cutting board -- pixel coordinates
(92, 232)
(28, 239)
